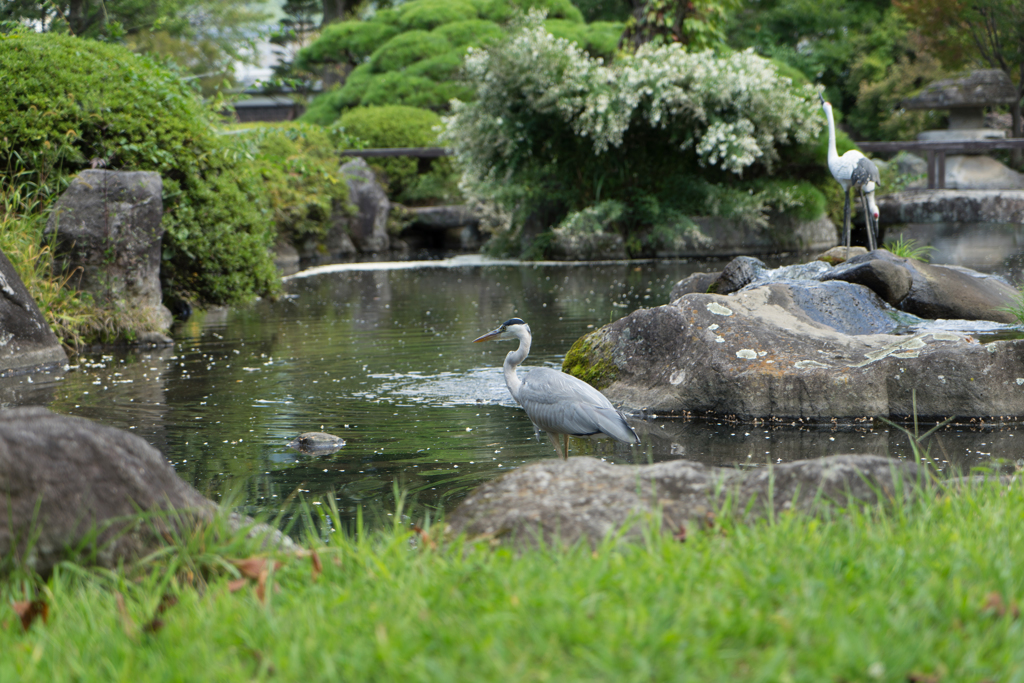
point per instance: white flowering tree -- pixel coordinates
(552, 124)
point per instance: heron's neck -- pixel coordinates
(512, 360)
(833, 155)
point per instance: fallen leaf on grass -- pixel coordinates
(917, 677)
(425, 537)
(236, 585)
(28, 610)
(126, 620)
(261, 586)
(994, 603)
(318, 567)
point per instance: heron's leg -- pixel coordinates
(556, 441)
(846, 223)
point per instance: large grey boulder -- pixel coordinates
(367, 228)
(799, 349)
(70, 488)
(26, 341)
(108, 240)
(584, 498)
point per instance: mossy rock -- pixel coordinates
(590, 359)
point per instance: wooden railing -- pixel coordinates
(935, 153)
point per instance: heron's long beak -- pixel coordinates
(493, 334)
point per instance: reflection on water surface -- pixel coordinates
(382, 357)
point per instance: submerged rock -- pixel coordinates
(317, 443)
(583, 498)
(70, 488)
(819, 349)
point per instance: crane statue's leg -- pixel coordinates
(846, 223)
(869, 221)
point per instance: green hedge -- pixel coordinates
(402, 126)
(411, 55)
(298, 166)
(68, 101)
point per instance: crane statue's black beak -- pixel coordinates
(821, 97)
(493, 334)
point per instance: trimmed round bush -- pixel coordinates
(393, 126)
(69, 101)
(346, 41)
(441, 68)
(406, 48)
(428, 14)
(470, 32)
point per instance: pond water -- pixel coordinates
(380, 355)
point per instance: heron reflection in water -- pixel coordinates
(557, 403)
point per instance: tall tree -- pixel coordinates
(986, 32)
(202, 36)
(697, 24)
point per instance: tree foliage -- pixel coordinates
(70, 104)
(666, 132)
(202, 37)
(411, 55)
(986, 32)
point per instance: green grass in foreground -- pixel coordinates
(905, 595)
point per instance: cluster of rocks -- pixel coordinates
(817, 342)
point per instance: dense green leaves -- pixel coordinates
(415, 51)
(71, 103)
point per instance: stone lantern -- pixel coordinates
(966, 98)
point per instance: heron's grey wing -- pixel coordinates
(562, 404)
(864, 171)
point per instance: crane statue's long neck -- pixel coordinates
(833, 155)
(512, 360)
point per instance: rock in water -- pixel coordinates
(799, 349)
(317, 443)
(62, 479)
(26, 341)
(109, 237)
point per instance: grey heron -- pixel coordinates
(557, 403)
(853, 170)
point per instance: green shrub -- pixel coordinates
(474, 32)
(502, 11)
(401, 88)
(298, 165)
(427, 14)
(421, 39)
(346, 41)
(68, 101)
(406, 48)
(441, 68)
(393, 126)
(552, 131)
